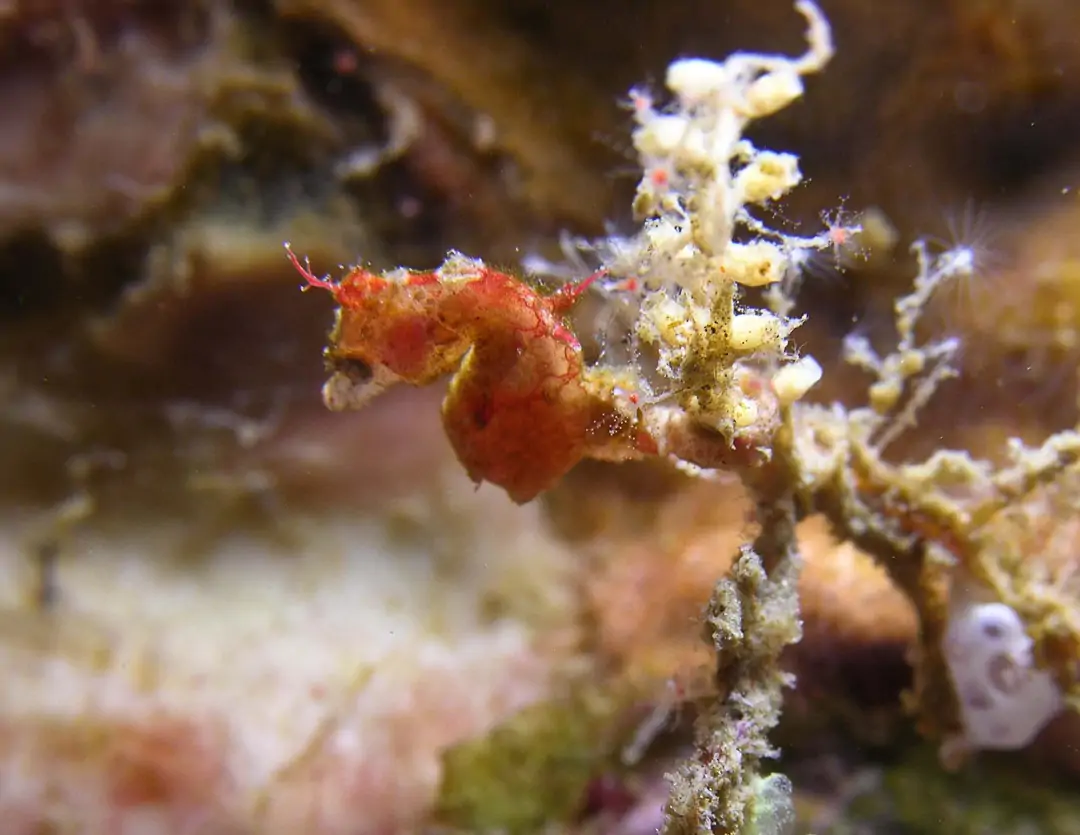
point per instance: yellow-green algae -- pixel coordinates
(533, 770)
(995, 794)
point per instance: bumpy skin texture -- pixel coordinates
(518, 412)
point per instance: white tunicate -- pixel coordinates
(1005, 700)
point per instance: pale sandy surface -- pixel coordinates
(270, 689)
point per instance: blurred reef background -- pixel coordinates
(227, 610)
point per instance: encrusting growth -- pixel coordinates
(714, 383)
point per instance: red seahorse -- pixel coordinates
(517, 412)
